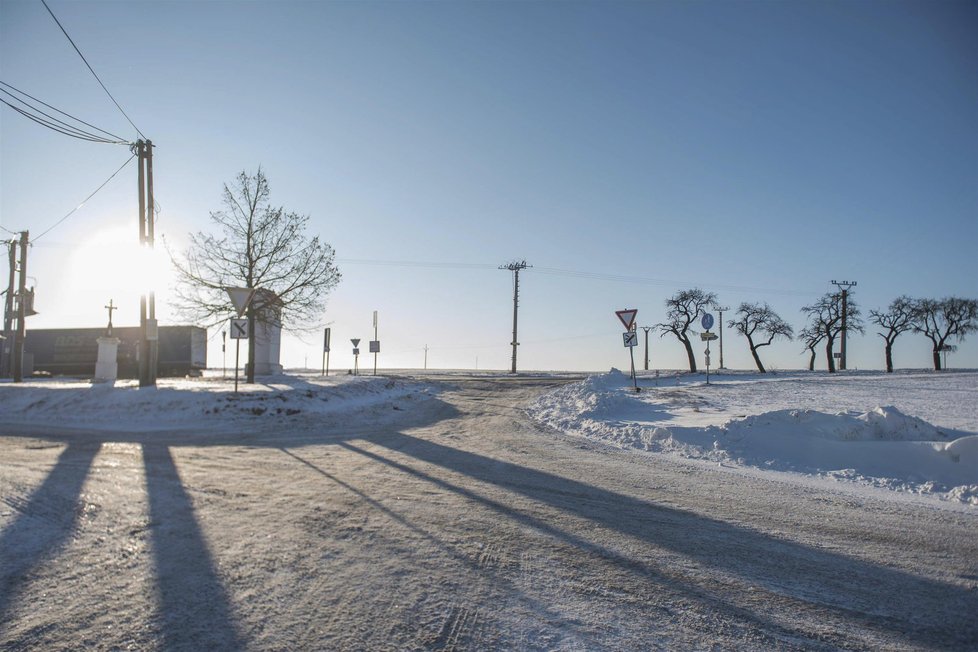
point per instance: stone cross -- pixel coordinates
(110, 308)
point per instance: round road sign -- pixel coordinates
(707, 321)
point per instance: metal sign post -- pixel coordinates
(375, 345)
(239, 331)
(326, 353)
(356, 356)
(629, 337)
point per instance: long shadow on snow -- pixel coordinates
(45, 523)
(876, 597)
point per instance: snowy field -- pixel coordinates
(910, 432)
(429, 512)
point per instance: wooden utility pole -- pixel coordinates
(18, 361)
(148, 331)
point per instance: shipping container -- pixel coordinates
(74, 351)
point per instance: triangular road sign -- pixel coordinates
(356, 342)
(240, 297)
(627, 317)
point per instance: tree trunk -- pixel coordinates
(757, 360)
(753, 352)
(689, 354)
(828, 356)
(937, 359)
(811, 360)
(889, 358)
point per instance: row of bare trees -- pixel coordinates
(941, 321)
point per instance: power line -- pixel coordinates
(65, 32)
(74, 133)
(117, 139)
(84, 201)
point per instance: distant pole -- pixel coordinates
(426, 357)
(376, 339)
(721, 310)
(224, 355)
(148, 345)
(647, 329)
(21, 311)
(844, 285)
(515, 268)
(8, 314)
(326, 352)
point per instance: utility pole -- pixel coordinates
(647, 329)
(515, 268)
(18, 361)
(844, 285)
(8, 315)
(721, 310)
(148, 330)
(426, 357)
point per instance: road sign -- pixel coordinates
(708, 337)
(375, 319)
(627, 317)
(630, 338)
(356, 342)
(356, 351)
(375, 346)
(239, 329)
(240, 297)
(326, 341)
(707, 321)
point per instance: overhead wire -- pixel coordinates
(92, 70)
(84, 201)
(68, 130)
(116, 139)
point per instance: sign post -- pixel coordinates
(375, 344)
(356, 356)
(326, 352)
(629, 337)
(239, 331)
(707, 336)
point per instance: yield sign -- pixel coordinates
(240, 297)
(356, 342)
(627, 317)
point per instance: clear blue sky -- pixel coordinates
(758, 149)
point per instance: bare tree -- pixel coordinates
(948, 318)
(811, 336)
(825, 317)
(683, 309)
(760, 320)
(899, 318)
(256, 246)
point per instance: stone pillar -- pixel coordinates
(107, 366)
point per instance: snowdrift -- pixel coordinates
(881, 446)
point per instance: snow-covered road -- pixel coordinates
(445, 518)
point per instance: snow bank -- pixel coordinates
(882, 446)
(201, 403)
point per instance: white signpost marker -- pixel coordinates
(356, 356)
(707, 323)
(629, 337)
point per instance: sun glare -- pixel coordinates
(111, 265)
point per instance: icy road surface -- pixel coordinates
(445, 519)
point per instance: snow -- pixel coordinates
(908, 432)
(208, 404)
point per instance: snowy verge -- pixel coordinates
(200, 403)
(880, 446)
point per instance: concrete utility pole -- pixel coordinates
(721, 310)
(6, 354)
(515, 268)
(844, 285)
(148, 330)
(18, 361)
(647, 329)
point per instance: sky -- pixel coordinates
(624, 150)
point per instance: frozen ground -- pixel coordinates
(911, 432)
(431, 513)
